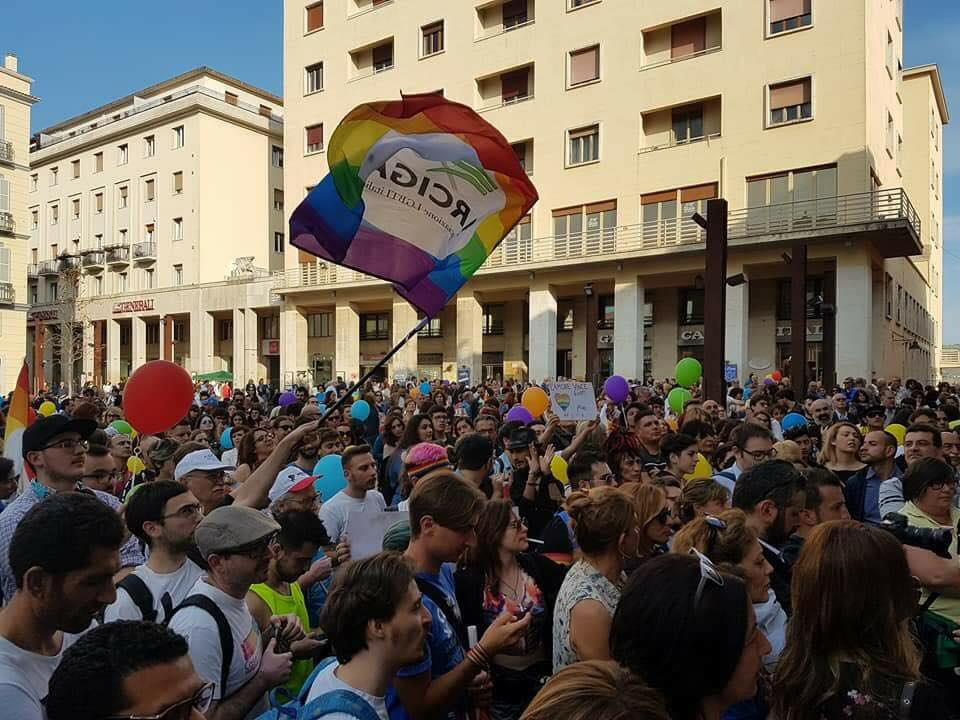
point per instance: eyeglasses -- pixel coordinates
(182, 710)
(661, 517)
(758, 455)
(517, 523)
(187, 512)
(100, 477)
(253, 551)
(708, 571)
(608, 479)
(941, 484)
(264, 437)
(71, 445)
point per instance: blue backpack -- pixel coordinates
(283, 705)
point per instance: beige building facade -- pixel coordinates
(628, 118)
(15, 104)
(155, 222)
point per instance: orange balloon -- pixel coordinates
(414, 393)
(535, 400)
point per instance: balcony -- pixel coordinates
(118, 256)
(7, 225)
(145, 252)
(371, 60)
(684, 40)
(48, 267)
(506, 88)
(681, 125)
(67, 263)
(32, 270)
(886, 218)
(7, 294)
(6, 151)
(93, 262)
(503, 17)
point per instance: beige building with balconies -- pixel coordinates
(15, 104)
(629, 117)
(155, 221)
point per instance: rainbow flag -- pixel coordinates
(420, 192)
(18, 418)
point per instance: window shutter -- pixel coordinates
(601, 207)
(4, 194)
(315, 17)
(4, 264)
(230, 97)
(698, 192)
(584, 65)
(651, 198)
(688, 37)
(383, 55)
(315, 135)
(789, 94)
(562, 212)
(783, 9)
(515, 84)
(2, 136)
(513, 9)
(305, 258)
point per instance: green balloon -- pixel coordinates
(677, 398)
(122, 427)
(688, 372)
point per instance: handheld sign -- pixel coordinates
(572, 401)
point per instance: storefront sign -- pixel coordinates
(44, 315)
(814, 331)
(689, 335)
(133, 306)
(371, 358)
(270, 348)
(605, 341)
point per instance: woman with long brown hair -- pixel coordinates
(255, 447)
(850, 652)
(502, 576)
(840, 451)
(653, 516)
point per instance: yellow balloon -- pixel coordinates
(47, 408)
(898, 431)
(558, 468)
(701, 471)
(135, 465)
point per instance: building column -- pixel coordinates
(201, 341)
(293, 342)
(738, 325)
(239, 326)
(405, 362)
(113, 351)
(166, 342)
(543, 332)
(89, 342)
(251, 344)
(347, 331)
(854, 314)
(138, 340)
(628, 302)
(580, 348)
(470, 335)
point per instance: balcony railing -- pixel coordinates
(6, 151)
(688, 56)
(48, 267)
(32, 270)
(831, 216)
(118, 255)
(7, 294)
(499, 102)
(94, 260)
(145, 251)
(676, 143)
(66, 263)
(6, 222)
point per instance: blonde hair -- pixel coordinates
(649, 500)
(729, 545)
(600, 517)
(788, 450)
(828, 453)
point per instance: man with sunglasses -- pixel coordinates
(302, 465)
(752, 445)
(55, 448)
(874, 418)
(128, 671)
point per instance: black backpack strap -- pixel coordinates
(138, 591)
(905, 706)
(440, 600)
(223, 629)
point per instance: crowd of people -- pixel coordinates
(777, 554)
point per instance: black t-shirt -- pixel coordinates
(652, 463)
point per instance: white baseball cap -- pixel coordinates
(199, 460)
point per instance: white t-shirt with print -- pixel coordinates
(175, 585)
(25, 677)
(200, 630)
(327, 681)
(335, 511)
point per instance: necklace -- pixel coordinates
(513, 591)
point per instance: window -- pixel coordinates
(75, 208)
(121, 282)
(177, 183)
(122, 154)
(383, 57)
(691, 306)
(585, 65)
(313, 81)
(178, 137)
(574, 4)
(788, 15)
(54, 250)
(888, 295)
(149, 230)
(318, 324)
(432, 38)
(798, 200)
(54, 214)
(230, 98)
(276, 156)
(178, 274)
(666, 215)
(153, 333)
(524, 152)
(515, 86)
(98, 203)
(122, 236)
(891, 135)
(53, 292)
(149, 146)
(374, 326)
(122, 197)
(790, 102)
(34, 182)
(687, 124)
(314, 138)
(688, 38)
(278, 199)
(148, 279)
(814, 299)
(224, 330)
(493, 319)
(178, 228)
(75, 167)
(98, 241)
(315, 17)
(899, 151)
(889, 55)
(179, 332)
(278, 243)
(585, 229)
(98, 162)
(270, 327)
(149, 191)
(514, 13)
(34, 295)
(584, 145)
(34, 219)
(54, 175)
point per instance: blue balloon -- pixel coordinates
(330, 479)
(322, 408)
(792, 420)
(425, 388)
(225, 441)
(360, 410)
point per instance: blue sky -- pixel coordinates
(129, 45)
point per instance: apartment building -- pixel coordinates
(629, 117)
(15, 104)
(154, 221)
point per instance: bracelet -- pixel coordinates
(479, 657)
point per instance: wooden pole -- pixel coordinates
(715, 301)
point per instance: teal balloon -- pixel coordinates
(226, 442)
(677, 398)
(122, 427)
(688, 372)
(360, 410)
(425, 388)
(329, 477)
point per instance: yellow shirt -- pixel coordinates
(947, 606)
(292, 604)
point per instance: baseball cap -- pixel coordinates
(231, 528)
(44, 429)
(521, 438)
(199, 460)
(282, 486)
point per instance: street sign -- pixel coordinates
(730, 373)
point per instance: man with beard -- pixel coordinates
(163, 516)
(771, 494)
(63, 556)
(649, 430)
(302, 467)
(823, 501)
(360, 471)
(862, 489)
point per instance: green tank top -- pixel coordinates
(292, 604)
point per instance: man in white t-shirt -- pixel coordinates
(302, 466)
(64, 554)
(360, 471)
(163, 515)
(375, 619)
(235, 541)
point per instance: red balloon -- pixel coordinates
(157, 396)
(776, 375)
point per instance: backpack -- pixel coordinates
(440, 600)
(283, 705)
(223, 629)
(138, 591)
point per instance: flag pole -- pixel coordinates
(369, 374)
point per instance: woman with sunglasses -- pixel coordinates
(689, 630)
(501, 576)
(850, 652)
(607, 533)
(654, 515)
(254, 449)
(840, 450)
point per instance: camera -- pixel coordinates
(936, 540)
